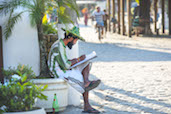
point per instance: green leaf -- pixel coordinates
(62, 9)
(13, 19)
(44, 87)
(24, 78)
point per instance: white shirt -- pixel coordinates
(98, 16)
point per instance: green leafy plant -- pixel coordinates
(18, 94)
(20, 69)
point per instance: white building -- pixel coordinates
(22, 46)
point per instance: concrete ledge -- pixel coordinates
(55, 86)
(66, 94)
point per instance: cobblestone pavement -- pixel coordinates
(135, 74)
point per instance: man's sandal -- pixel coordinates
(92, 85)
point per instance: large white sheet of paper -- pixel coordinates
(87, 58)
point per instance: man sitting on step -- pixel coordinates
(77, 77)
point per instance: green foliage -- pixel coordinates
(36, 10)
(20, 95)
(48, 28)
(21, 69)
(13, 19)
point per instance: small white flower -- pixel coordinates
(3, 107)
(6, 83)
(15, 76)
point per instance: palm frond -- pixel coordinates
(68, 3)
(64, 18)
(36, 12)
(11, 22)
(8, 5)
(72, 5)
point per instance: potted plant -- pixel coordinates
(18, 93)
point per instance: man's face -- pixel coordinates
(75, 41)
(72, 42)
(98, 9)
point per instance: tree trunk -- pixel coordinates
(119, 29)
(169, 14)
(43, 50)
(108, 5)
(129, 17)
(1, 57)
(145, 15)
(113, 15)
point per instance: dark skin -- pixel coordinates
(85, 74)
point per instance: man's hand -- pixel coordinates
(82, 57)
(74, 61)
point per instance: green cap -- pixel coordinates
(75, 31)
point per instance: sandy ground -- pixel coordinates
(135, 74)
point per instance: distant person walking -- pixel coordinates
(85, 13)
(98, 15)
(105, 17)
(86, 17)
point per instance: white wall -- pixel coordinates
(22, 46)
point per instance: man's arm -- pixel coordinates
(76, 60)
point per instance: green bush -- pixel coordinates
(20, 69)
(19, 94)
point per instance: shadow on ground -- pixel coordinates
(117, 52)
(111, 98)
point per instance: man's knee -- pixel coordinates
(87, 67)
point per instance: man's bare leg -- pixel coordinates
(85, 74)
(102, 30)
(87, 105)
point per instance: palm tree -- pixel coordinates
(36, 10)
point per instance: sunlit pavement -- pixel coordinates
(135, 73)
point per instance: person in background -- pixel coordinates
(86, 17)
(98, 15)
(105, 17)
